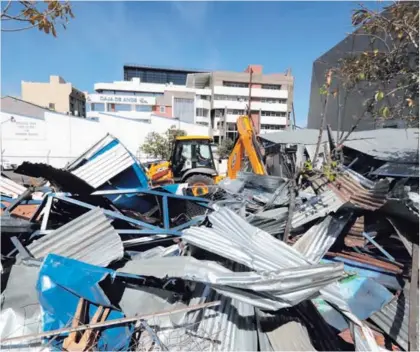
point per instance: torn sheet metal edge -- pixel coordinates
(319, 238)
(104, 167)
(10, 188)
(89, 238)
(393, 319)
(316, 207)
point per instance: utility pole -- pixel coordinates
(249, 96)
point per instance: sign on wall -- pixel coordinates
(17, 127)
(100, 98)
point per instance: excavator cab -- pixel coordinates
(191, 162)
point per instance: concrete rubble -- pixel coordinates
(245, 268)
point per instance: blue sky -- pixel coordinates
(203, 35)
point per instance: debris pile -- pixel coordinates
(305, 261)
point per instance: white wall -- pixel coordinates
(58, 139)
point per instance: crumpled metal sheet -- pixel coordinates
(316, 207)
(20, 308)
(393, 319)
(105, 166)
(266, 182)
(157, 251)
(89, 238)
(272, 221)
(320, 237)
(231, 237)
(270, 290)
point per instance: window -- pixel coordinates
(231, 97)
(122, 107)
(97, 107)
(203, 97)
(271, 86)
(235, 112)
(109, 92)
(51, 106)
(143, 108)
(124, 92)
(272, 127)
(273, 113)
(235, 84)
(148, 94)
(162, 109)
(202, 112)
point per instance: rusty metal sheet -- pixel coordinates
(350, 190)
(354, 237)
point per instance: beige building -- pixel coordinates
(57, 95)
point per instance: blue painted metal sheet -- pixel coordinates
(61, 283)
(383, 277)
(364, 297)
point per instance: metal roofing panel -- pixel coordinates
(91, 151)
(397, 170)
(20, 309)
(274, 290)
(89, 238)
(393, 319)
(319, 238)
(10, 188)
(104, 167)
(316, 207)
(233, 238)
(386, 144)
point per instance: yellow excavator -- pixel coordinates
(192, 160)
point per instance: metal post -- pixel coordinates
(413, 324)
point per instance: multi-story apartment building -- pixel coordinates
(57, 95)
(271, 99)
(213, 99)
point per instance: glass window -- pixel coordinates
(97, 107)
(122, 107)
(143, 108)
(162, 109)
(109, 92)
(271, 86)
(202, 112)
(235, 84)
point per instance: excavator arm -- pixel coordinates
(246, 144)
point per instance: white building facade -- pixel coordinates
(214, 99)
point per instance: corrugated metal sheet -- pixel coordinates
(386, 144)
(272, 221)
(274, 290)
(319, 238)
(91, 151)
(20, 309)
(393, 319)
(10, 188)
(354, 237)
(350, 190)
(89, 238)
(104, 167)
(316, 207)
(231, 237)
(269, 183)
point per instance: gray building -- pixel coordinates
(343, 110)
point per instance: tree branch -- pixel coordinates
(18, 29)
(6, 8)
(399, 88)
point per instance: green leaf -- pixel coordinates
(379, 96)
(362, 75)
(376, 51)
(385, 111)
